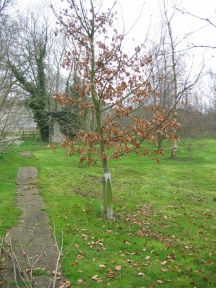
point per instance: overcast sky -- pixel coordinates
(131, 9)
(148, 14)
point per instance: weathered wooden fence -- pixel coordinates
(29, 135)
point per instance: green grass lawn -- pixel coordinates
(164, 234)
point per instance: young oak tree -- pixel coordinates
(115, 84)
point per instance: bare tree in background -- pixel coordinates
(4, 5)
(35, 60)
(7, 92)
(210, 121)
(170, 79)
(208, 21)
(27, 63)
(208, 116)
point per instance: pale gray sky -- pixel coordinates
(148, 12)
(130, 9)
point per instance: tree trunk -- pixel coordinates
(159, 141)
(44, 133)
(174, 149)
(175, 80)
(107, 193)
(98, 111)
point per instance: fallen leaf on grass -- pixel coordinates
(160, 281)
(111, 274)
(129, 261)
(80, 256)
(168, 244)
(141, 274)
(80, 282)
(96, 244)
(187, 247)
(96, 278)
(74, 264)
(66, 284)
(208, 263)
(102, 266)
(118, 267)
(147, 258)
(164, 270)
(163, 262)
(171, 257)
(126, 242)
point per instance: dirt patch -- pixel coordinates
(32, 241)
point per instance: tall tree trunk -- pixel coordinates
(41, 116)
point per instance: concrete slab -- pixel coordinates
(32, 239)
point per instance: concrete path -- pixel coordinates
(32, 239)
